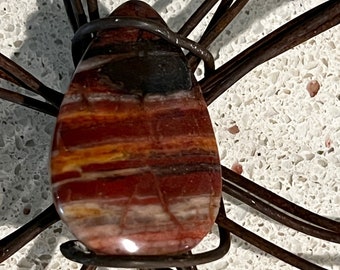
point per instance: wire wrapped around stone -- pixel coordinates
(75, 251)
(145, 24)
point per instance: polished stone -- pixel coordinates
(134, 163)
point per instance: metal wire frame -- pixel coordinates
(289, 35)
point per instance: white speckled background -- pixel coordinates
(288, 141)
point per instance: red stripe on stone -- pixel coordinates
(143, 185)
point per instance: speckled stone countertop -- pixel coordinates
(288, 141)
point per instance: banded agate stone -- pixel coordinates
(134, 162)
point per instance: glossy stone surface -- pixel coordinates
(134, 162)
